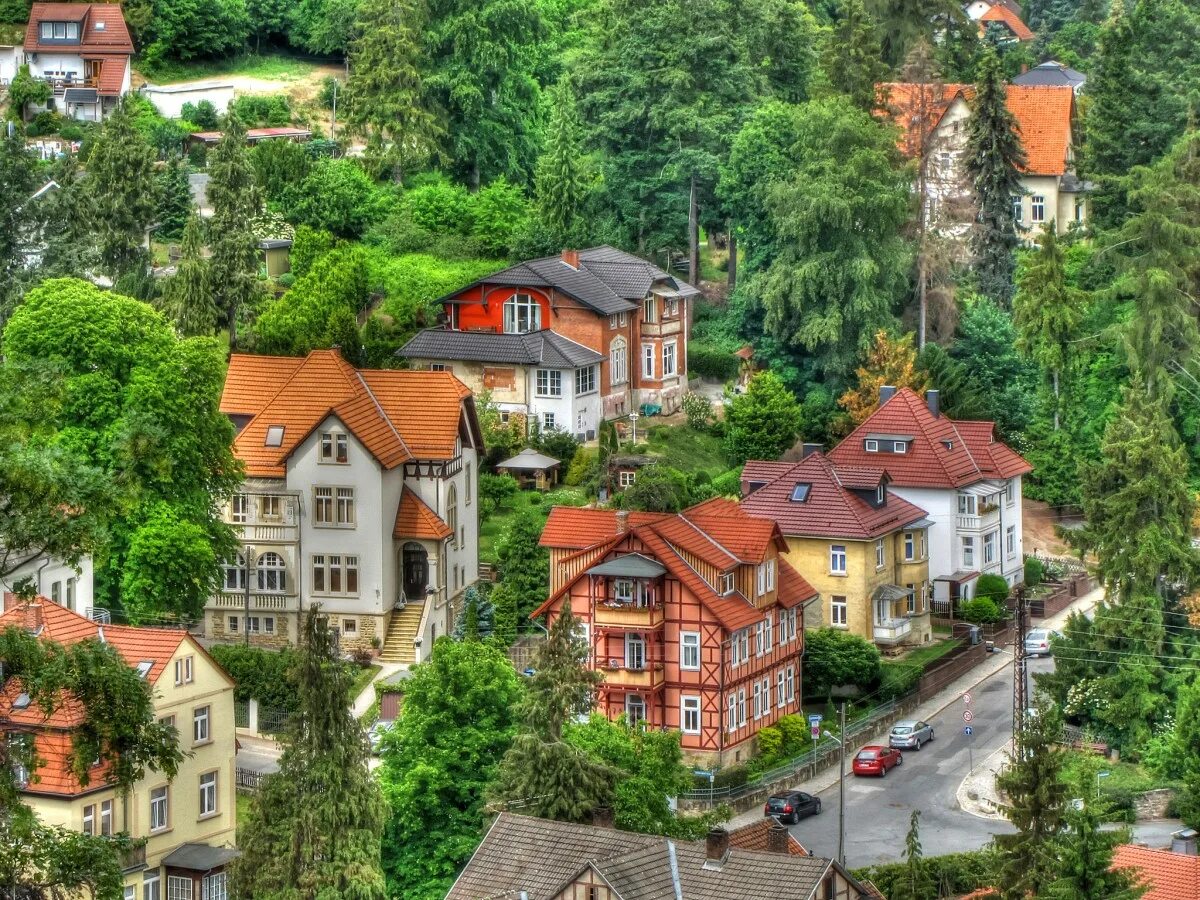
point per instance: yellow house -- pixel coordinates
(188, 822)
(863, 548)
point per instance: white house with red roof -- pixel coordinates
(967, 481)
(360, 495)
(695, 619)
(83, 50)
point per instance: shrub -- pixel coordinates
(730, 776)
(770, 745)
(1034, 571)
(898, 679)
(203, 114)
(993, 587)
(494, 490)
(440, 207)
(711, 362)
(43, 124)
(583, 468)
(698, 409)
(337, 196)
(980, 611)
(558, 443)
(953, 873)
(728, 484)
(258, 674)
(834, 657)
(498, 212)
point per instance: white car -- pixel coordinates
(1037, 641)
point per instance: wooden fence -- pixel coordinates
(248, 780)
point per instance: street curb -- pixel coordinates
(962, 787)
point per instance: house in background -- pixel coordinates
(1004, 15)
(360, 495)
(1046, 118)
(188, 822)
(1052, 74)
(967, 482)
(1166, 874)
(66, 585)
(83, 50)
(628, 315)
(694, 619)
(865, 549)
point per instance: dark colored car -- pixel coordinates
(876, 760)
(792, 806)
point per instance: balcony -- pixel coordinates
(60, 85)
(892, 631)
(133, 859)
(264, 532)
(626, 615)
(987, 517)
(258, 602)
(646, 677)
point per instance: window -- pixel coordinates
(345, 506)
(333, 507)
(548, 422)
(183, 670)
(871, 446)
(439, 367)
(758, 702)
(214, 887)
(89, 819)
(1010, 491)
(780, 688)
(200, 725)
(635, 709)
(900, 446)
(689, 650)
(151, 886)
(880, 554)
(967, 504)
(130, 892)
(522, 314)
(270, 508)
(791, 683)
(910, 546)
(70, 593)
(618, 361)
(879, 494)
(647, 360)
(669, 369)
(233, 625)
(837, 559)
(726, 583)
(968, 552)
(322, 506)
(742, 707)
(239, 508)
(208, 794)
(335, 574)
(234, 578)
(837, 612)
(269, 624)
(179, 888)
(56, 592)
(731, 713)
(1037, 208)
(626, 478)
(47, 31)
(689, 715)
(252, 624)
(989, 547)
(649, 309)
(768, 631)
(1016, 208)
(1010, 540)
(612, 321)
(106, 818)
(333, 447)
(765, 573)
(158, 808)
(350, 626)
(274, 436)
(800, 492)
(272, 578)
(452, 513)
(1079, 210)
(759, 646)
(585, 380)
(912, 598)
(549, 383)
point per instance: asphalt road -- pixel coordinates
(878, 809)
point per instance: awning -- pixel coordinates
(921, 523)
(630, 565)
(529, 459)
(81, 95)
(200, 857)
(890, 593)
(984, 488)
(958, 577)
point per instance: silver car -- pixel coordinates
(910, 734)
(1037, 641)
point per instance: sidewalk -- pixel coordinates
(931, 708)
(367, 696)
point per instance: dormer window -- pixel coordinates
(900, 447)
(274, 436)
(726, 584)
(879, 495)
(871, 446)
(522, 314)
(59, 31)
(800, 492)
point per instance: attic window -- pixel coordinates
(99, 26)
(800, 492)
(144, 667)
(900, 447)
(879, 494)
(949, 444)
(274, 436)
(871, 446)
(22, 702)
(755, 485)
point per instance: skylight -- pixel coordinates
(22, 701)
(800, 492)
(144, 667)
(274, 436)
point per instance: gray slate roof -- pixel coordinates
(537, 348)
(529, 459)
(630, 565)
(608, 280)
(199, 857)
(539, 857)
(1053, 74)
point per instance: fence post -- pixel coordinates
(253, 723)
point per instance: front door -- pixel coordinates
(416, 571)
(92, 71)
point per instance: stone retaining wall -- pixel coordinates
(1153, 804)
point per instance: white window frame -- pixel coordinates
(689, 651)
(727, 583)
(780, 688)
(586, 381)
(1010, 540)
(208, 794)
(990, 542)
(968, 505)
(271, 569)
(839, 612)
(324, 565)
(239, 509)
(769, 632)
(89, 820)
(626, 478)
(871, 446)
(899, 446)
(1018, 208)
(650, 310)
(741, 708)
(522, 314)
(183, 670)
(880, 554)
(968, 553)
(689, 708)
(731, 712)
(549, 422)
(618, 361)
(151, 886)
(837, 554)
(757, 703)
(201, 725)
(670, 355)
(334, 448)
(910, 546)
(345, 507)
(106, 818)
(648, 361)
(214, 887)
(179, 888)
(1037, 209)
(631, 706)
(547, 383)
(791, 683)
(160, 808)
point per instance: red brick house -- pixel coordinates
(695, 619)
(567, 340)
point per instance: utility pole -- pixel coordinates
(333, 123)
(842, 784)
(246, 620)
(1020, 675)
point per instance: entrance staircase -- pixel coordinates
(398, 645)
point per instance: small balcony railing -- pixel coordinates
(622, 614)
(889, 631)
(649, 675)
(60, 85)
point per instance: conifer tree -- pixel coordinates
(187, 296)
(993, 155)
(1111, 148)
(315, 826)
(542, 772)
(68, 223)
(1085, 855)
(1046, 312)
(120, 171)
(234, 197)
(1037, 797)
(174, 199)
(524, 566)
(559, 181)
(915, 883)
(853, 60)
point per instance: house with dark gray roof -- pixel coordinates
(1052, 73)
(567, 340)
(538, 859)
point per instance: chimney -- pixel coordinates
(622, 521)
(933, 401)
(571, 258)
(886, 393)
(777, 838)
(716, 846)
(1184, 841)
(33, 617)
(7, 601)
(807, 450)
(602, 817)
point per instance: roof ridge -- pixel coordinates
(704, 534)
(386, 418)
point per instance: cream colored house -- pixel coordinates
(189, 821)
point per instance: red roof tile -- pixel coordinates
(939, 455)
(112, 76)
(747, 537)
(754, 837)
(793, 588)
(102, 28)
(576, 527)
(1007, 17)
(1167, 875)
(414, 519)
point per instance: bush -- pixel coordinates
(262, 109)
(337, 196)
(980, 611)
(898, 679)
(584, 466)
(728, 484)
(711, 362)
(698, 409)
(558, 443)
(43, 124)
(953, 873)
(440, 207)
(203, 114)
(258, 674)
(993, 587)
(498, 212)
(494, 490)
(730, 776)
(834, 657)
(1034, 571)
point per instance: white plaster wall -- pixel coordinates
(169, 99)
(941, 507)
(57, 62)
(10, 60)
(45, 571)
(562, 407)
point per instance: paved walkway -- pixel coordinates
(367, 696)
(930, 709)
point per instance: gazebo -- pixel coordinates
(531, 469)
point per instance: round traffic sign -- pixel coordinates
(967, 697)
(968, 715)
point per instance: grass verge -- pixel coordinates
(267, 66)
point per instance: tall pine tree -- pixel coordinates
(1085, 857)
(235, 201)
(68, 223)
(315, 826)
(993, 157)
(1113, 86)
(174, 199)
(542, 773)
(559, 182)
(187, 298)
(853, 59)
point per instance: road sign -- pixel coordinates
(967, 698)
(703, 773)
(968, 715)
(967, 730)
(814, 720)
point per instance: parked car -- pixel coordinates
(792, 806)
(876, 760)
(1037, 641)
(910, 734)
(376, 732)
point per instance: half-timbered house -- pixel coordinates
(694, 619)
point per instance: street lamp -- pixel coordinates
(841, 739)
(1100, 775)
(246, 621)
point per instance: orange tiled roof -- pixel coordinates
(397, 414)
(112, 76)
(1006, 16)
(1044, 115)
(1167, 875)
(112, 37)
(575, 527)
(414, 519)
(754, 837)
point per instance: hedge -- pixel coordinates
(710, 362)
(258, 674)
(954, 874)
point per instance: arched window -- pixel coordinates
(272, 578)
(522, 314)
(618, 361)
(234, 573)
(452, 514)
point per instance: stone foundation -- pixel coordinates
(285, 629)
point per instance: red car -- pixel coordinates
(876, 760)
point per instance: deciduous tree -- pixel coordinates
(891, 361)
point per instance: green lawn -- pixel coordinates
(686, 449)
(362, 679)
(926, 654)
(243, 809)
(493, 526)
(268, 66)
